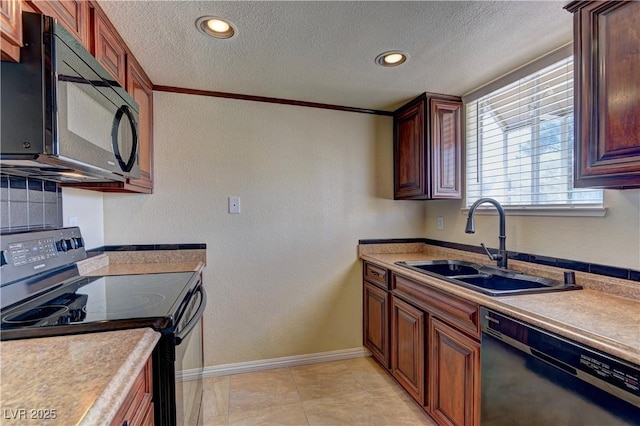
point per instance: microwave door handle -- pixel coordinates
(124, 112)
(180, 336)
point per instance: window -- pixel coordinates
(520, 142)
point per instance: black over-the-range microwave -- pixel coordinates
(64, 117)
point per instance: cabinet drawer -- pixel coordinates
(458, 312)
(376, 275)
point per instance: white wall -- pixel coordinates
(283, 277)
(611, 240)
(87, 208)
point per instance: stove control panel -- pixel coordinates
(30, 253)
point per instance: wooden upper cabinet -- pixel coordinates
(607, 99)
(140, 88)
(11, 29)
(73, 14)
(427, 148)
(107, 46)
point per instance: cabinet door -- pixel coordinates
(11, 28)
(446, 149)
(141, 89)
(410, 153)
(607, 104)
(108, 48)
(73, 14)
(407, 343)
(454, 380)
(376, 322)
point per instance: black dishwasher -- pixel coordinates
(531, 377)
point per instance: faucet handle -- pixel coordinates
(497, 256)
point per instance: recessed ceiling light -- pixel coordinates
(391, 59)
(215, 27)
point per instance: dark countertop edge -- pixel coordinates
(592, 268)
(146, 247)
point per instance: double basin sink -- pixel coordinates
(486, 279)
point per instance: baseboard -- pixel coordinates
(269, 364)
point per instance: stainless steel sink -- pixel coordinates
(486, 279)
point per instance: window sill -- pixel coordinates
(578, 211)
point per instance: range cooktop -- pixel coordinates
(48, 296)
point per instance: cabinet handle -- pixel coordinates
(376, 273)
(125, 423)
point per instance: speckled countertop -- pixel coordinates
(98, 369)
(598, 315)
(87, 388)
(143, 262)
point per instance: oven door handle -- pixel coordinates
(182, 334)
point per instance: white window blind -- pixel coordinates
(520, 143)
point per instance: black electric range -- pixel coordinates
(42, 294)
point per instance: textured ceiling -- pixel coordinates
(324, 51)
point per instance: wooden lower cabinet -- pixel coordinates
(408, 348)
(376, 322)
(454, 382)
(137, 408)
(429, 340)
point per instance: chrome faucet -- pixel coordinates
(501, 256)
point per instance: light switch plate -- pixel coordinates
(440, 223)
(234, 205)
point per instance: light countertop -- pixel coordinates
(84, 378)
(601, 320)
(79, 379)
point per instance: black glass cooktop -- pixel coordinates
(94, 303)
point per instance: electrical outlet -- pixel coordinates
(440, 223)
(234, 205)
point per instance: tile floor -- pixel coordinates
(350, 392)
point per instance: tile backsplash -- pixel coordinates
(27, 203)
